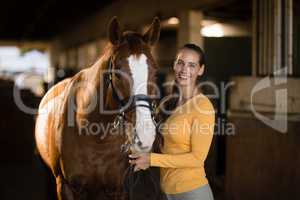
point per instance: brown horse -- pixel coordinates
(88, 124)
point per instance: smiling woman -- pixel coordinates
(189, 119)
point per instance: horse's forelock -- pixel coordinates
(133, 41)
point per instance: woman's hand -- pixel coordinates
(141, 161)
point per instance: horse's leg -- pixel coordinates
(64, 191)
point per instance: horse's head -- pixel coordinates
(132, 77)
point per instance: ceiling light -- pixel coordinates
(215, 30)
(173, 21)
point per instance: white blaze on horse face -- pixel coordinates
(144, 125)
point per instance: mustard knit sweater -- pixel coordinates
(187, 136)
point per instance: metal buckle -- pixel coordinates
(118, 120)
(125, 147)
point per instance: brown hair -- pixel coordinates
(197, 49)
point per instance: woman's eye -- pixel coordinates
(180, 63)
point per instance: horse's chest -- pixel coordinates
(95, 159)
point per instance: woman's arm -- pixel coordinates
(201, 138)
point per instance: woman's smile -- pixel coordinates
(184, 76)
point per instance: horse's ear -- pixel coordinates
(114, 32)
(151, 36)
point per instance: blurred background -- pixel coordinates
(253, 63)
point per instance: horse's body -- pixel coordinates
(85, 159)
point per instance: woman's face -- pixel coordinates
(187, 67)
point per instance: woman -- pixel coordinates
(187, 132)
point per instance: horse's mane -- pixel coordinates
(105, 54)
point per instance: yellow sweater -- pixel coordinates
(187, 135)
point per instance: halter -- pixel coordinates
(121, 117)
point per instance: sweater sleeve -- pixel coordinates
(202, 130)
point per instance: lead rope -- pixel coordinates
(131, 179)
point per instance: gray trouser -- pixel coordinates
(200, 193)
